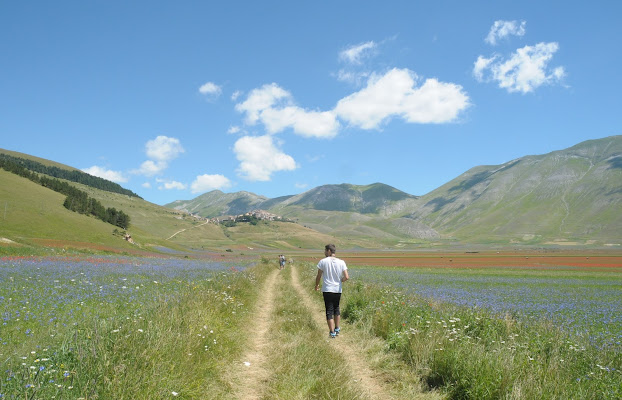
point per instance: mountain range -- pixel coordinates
(570, 197)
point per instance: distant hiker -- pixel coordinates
(333, 272)
(281, 261)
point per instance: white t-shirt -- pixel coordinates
(332, 272)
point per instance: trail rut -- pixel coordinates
(365, 378)
(252, 369)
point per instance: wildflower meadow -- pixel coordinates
(497, 333)
(113, 327)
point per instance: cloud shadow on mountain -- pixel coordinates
(440, 202)
(615, 162)
(470, 182)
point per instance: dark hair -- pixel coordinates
(331, 248)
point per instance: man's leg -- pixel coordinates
(330, 310)
(337, 312)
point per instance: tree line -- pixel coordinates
(76, 200)
(69, 175)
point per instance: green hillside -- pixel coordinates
(573, 195)
(567, 197)
(34, 216)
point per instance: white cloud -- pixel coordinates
(235, 95)
(104, 173)
(526, 69)
(170, 185)
(160, 152)
(481, 65)
(501, 29)
(233, 130)
(396, 94)
(321, 124)
(259, 157)
(211, 89)
(151, 168)
(146, 185)
(353, 77)
(206, 183)
(301, 185)
(273, 106)
(261, 99)
(163, 148)
(354, 54)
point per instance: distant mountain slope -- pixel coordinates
(572, 194)
(368, 199)
(217, 203)
(345, 210)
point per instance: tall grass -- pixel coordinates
(472, 354)
(126, 328)
(120, 331)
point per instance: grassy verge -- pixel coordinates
(470, 354)
(170, 337)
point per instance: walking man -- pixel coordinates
(333, 272)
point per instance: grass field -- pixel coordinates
(540, 328)
(101, 327)
(109, 327)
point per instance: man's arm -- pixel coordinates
(317, 279)
(345, 276)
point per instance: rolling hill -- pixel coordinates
(33, 216)
(567, 197)
(571, 196)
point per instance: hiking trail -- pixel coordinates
(252, 374)
(361, 372)
(252, 369)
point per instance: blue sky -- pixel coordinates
(174, 99)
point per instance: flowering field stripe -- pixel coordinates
(580, 302)
(118, 327)
(489, 333)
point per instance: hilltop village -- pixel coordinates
(252, 217)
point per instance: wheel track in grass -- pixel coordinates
(370, 383)
(252, 370)
(251, 374)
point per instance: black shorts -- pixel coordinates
(331, 301)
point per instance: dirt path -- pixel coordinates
(252, 369)
(364, 377)
(251, 374)
(183, 230)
